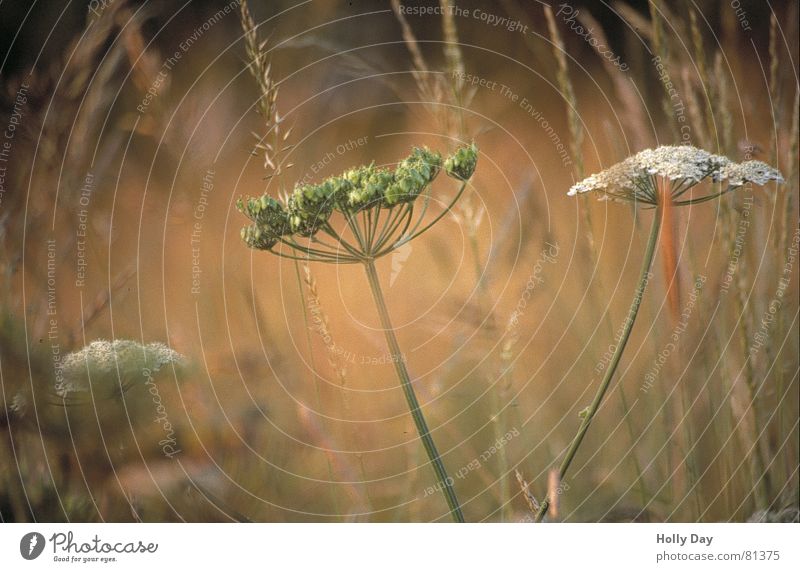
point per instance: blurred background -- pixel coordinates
(129, 131)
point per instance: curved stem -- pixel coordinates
(386, 224)
(309, 257)
(312, 258)
(704, 198)
(405, 214)
(447, 209)
(296, 246)
(352, 222)
(338, 238)
(445, 482)
(612, 366)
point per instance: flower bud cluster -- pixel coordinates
(462, 163)
(309, 207)
(270, 221)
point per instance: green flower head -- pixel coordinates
(412, 176)
(266, 212)
(367, 186)
(270, 221)
(310, 207)
(384, 197)
(461, 164)
(258, 237)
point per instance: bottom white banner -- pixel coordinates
(355, 547)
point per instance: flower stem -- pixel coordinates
(445, 482)
(612, 366)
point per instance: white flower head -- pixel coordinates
(680, 162)
(679, 167)
(107, 366)
(615, 182)
(758, 172)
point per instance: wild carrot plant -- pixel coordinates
(380, 214)
(659, 179)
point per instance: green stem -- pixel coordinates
(612, 366)
(445, 482)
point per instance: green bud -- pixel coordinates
(257, 237)
(461, 164)
(310, 206)
(367, 186)
(268, 212)
(412, 175)
(270, 221)
(337, 188)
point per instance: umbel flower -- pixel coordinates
(381, 212)
(108, 369)
(99, 394)
(676, 168)
(657, 178)
(379, 207)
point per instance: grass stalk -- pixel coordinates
(445, 481)
(615, 359)
(644, 496)
(315, 378)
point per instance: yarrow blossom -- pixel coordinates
(680, 168)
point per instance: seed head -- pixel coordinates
(310, 206)
(461, 164)
(258, 237)
(412, 176)
(270, 221)
(266, 211)
(367, 186)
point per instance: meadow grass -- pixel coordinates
(273, 420)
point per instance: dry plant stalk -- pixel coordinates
(565, 84)
(662, 52)
(634, 112)
(334, 358)
(533, 504)
(429, 89)
(271, 144)
(707, 133)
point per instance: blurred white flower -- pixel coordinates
(111, 367)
